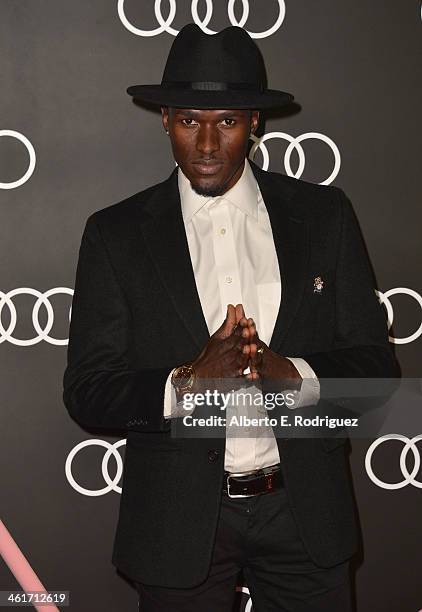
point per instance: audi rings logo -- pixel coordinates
(408, 477)
(295, 144)
(165, 24)
(32, 159)
(384, 299)
(111, 450)
(42, 298)
(6, 332)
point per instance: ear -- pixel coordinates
(165, 117)
(254, 121)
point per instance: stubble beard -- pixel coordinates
(211, 192)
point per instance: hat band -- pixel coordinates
(212, 85)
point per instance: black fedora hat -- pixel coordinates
(223, 70)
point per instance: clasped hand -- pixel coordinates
(234, 347)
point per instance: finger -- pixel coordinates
(244, 328)
(254, 362)
(252, 332)
(235, 342)
(252, 375)
(229, 322)
(257, 355)
(231, 315)
(239, 328)
(253, 355)
(238, 343)
(241, 320)
(240, 313)
(242, 332)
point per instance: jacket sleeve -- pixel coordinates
(99, 387)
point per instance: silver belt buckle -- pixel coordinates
(239, 474)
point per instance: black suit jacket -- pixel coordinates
(136, 314)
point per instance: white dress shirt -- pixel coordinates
(235, 262)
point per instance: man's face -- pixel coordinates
(210, 146)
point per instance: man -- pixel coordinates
(224, 271)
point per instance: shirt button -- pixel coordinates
(228, 279)
(223, 231)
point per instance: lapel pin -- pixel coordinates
(318, 284)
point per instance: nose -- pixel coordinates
(208, 140)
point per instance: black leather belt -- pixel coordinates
(255, 482)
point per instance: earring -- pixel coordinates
(167, 132)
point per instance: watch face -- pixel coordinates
(185, 370)
(182, 376)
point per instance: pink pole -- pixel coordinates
(20, 568)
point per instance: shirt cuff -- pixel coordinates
(309, 392)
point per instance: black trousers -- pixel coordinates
(259, 536)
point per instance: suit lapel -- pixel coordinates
(291, 240)
(165, 237)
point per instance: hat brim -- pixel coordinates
(228, 98)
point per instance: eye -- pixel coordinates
(229, 119)
(187, 119)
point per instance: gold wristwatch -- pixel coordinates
(183, 378)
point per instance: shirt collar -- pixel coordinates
(244, 194)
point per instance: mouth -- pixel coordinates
(207, 167)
